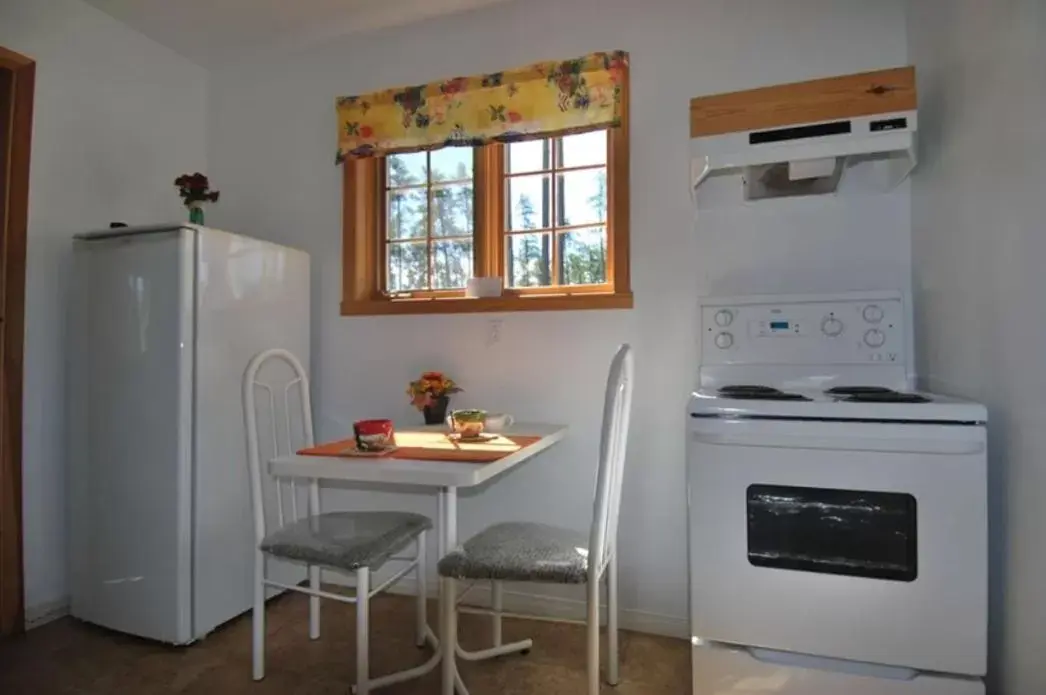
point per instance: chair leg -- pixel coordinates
(314, 603)
(613, 657)
(497, 601)
(421, 619)
(592, 630)
(448, 634)
(258, 617)
(362, 631)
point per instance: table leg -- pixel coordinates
(441, 524)
(499, 649)
(315, 574)
(447, 509)
(450, 513)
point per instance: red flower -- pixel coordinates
(366, 131)
(432, 375)
(617, 67)
(454, 86)
(194, 188)
(515, 116)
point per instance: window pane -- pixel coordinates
(584, 149)
(408, 266)
(528, 202)
(583, 197)
(451, 264)
(532, 155)
(529, 259)
(583, 256)
(452, 211)
(452, 164)
(407, 169)
(407, 210)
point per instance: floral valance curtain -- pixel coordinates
(535, 101)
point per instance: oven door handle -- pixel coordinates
(944, 447)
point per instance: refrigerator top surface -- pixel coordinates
(132, 231)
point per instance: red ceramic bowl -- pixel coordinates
(372, 434)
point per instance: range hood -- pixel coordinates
(800, 138)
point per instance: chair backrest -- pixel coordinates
(282, 441)
(617, 409)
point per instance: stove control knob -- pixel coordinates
(831, 326)
(874, 338)
(873, 313)
(724, 340)
(724, 317)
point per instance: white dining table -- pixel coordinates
(443, 477)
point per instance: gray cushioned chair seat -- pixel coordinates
(521, 552)
(346, 540)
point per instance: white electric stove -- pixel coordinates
(837, 518)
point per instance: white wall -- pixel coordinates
(117, 117)
(272, 136)
(979, 246)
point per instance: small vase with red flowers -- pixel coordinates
(195, 190)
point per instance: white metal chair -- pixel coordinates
(541, 553)
(358, 543)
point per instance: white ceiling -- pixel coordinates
(214, 32)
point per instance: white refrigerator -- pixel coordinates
(163, 321)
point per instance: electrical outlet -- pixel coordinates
(493, 332)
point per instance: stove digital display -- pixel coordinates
(778, 325)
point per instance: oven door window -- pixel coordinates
(850, 532)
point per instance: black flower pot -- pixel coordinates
(436, 414)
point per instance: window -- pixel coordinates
(549, 217)
(557, 211)
(429, 220)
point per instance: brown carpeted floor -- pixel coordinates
(70, 657)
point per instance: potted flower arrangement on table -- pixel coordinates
(431, 394)
(195, 190)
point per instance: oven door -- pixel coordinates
(858, 541)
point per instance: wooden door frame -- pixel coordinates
(13, 228)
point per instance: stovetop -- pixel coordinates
(854, 402)
(850, 394)
(750, 392)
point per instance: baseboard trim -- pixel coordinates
(553, 607)
(515, 601)
(43, 613)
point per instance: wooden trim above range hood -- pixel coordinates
(833, 98)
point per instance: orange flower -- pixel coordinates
(430, 386)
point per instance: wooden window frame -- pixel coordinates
(15, 182)
(364, 235)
